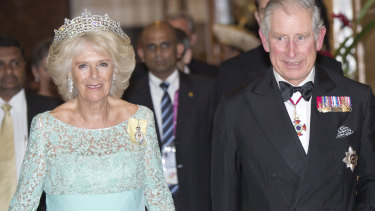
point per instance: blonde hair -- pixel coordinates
(60, 57)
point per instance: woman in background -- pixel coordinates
(96, 151)
(39, 69)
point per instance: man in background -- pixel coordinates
(183, 108)
(18, 107)
(186, 23)
(39, 69)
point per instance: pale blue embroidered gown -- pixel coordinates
(92, 169)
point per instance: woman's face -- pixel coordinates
(92, 73)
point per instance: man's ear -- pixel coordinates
(319, 42)
(35, 71)
(140, 54)
(264, 41)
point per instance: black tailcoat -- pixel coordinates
(258, 162)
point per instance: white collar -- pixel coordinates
(15, 100)
(157, 81)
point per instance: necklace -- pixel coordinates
(299, 127)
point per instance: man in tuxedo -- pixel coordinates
(23, 106)
(183, 108)
(299, 137)
(247, 66)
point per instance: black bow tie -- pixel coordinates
(287, 90)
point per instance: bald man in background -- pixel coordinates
(192, 97)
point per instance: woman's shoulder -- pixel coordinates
(41, 117)
(42, 121)
(144, 112)
(134, 110)
(63, 112)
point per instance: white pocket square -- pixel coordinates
(343, 131)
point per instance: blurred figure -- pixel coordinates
(234, 40)
(183, 107)
(39, 69)
(187, 52)
(17, 108)
(251, 64)
(186, 23)
(95, 152)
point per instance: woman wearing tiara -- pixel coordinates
(96, 151)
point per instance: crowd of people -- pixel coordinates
(277, 127)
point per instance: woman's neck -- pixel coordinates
(95, 114)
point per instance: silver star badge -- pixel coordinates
(351, 159)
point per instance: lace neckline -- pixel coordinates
(81, 128)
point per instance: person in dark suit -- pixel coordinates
(192, 99)
(24, 105)
(185, 22)
(299, 137)
(249, 65)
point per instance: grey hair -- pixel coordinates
(60, 57)
(272, 5)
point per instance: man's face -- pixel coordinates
(259, 13)
(291, 43)
(12, 71)
(159, 49)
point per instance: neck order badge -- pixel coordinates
(287, 91)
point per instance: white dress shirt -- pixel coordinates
(303, 108)
(19, 117)
(157, 93)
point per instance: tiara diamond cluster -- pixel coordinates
(84, 23)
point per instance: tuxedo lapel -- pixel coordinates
(270, 112)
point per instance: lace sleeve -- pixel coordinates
(158, 196)
(30, 184)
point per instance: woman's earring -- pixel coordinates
(113, 79)
(70, 84)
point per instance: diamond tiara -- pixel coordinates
(85, 23)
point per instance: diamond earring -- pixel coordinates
(70, 84)
(113, 79)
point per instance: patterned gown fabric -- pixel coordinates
(93, 169)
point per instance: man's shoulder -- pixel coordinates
(329, 63)
(246, 87)
(344, 81)
(136, 87)
(246, 58)
(139, 71)
(199, 81)
(202, 68)
(33, 98)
